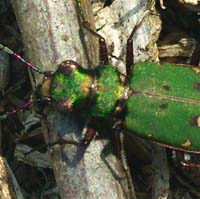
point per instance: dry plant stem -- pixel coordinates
(4, 71)
(5, 192)
(51, 32)
(182, 49)
(15, 186)
(9, 188)
(1, 138)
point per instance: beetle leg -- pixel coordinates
(182, 162)
(129, 46)
(84, 142)
(118, 139)
(195, 59)
(189, 164)
(89, 135)
(179, 156)
(88, 132)
(103, 52)
(179, 153)
(185, 164)
(60, 141)
(119, 150)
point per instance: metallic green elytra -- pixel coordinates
(164, 104)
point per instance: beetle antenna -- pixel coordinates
(15, 110)
(24, 106)
(28, 64)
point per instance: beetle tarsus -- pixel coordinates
(189, 165)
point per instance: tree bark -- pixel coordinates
(52, 32)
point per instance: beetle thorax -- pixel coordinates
(108, 92)
(74, 88)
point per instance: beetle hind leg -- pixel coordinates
(180, 157)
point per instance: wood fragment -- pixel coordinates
(36, 158)
(9, 188)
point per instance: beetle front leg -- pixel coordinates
(129, 50)
(88, 137)
(103, 52)
(129, 46)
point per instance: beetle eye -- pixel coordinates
(67, 67)
(65, 70)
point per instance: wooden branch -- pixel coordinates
(52, 32)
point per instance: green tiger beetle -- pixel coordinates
(156, 102)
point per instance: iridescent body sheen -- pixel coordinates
(163, 100)
(70, 89)
(75, 87)
(108, 91)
